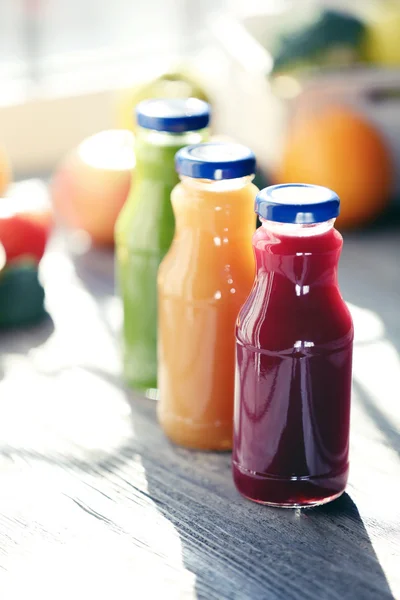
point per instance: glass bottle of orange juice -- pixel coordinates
(202, 283)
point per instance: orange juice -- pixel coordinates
(202, 283)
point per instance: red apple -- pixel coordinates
(92, 183)
(25, 224)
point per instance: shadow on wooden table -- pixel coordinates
(391, 435)
(31, 336)
(95, 268)
(368, 274)
(238, 549)
(22, 340)
(233, 548)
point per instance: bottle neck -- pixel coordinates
(303, 255)
(155, 154)
(162, 139)
(297, 229)
(220, 207)
(211, 186)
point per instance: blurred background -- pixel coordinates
(312, 86)
(66, 68)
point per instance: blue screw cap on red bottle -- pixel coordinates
(215, 161)
(297, 203)
(173, 115)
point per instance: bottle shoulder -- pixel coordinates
(198, 194)
(146, 221)
(279, 322)
(283, 244)
(189, 271)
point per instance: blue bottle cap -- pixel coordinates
(297, 203)
(215, 160)
(174, 115)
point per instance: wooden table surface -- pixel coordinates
(95, 502)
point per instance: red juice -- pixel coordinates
(293, 374)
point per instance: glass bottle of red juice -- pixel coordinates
(294, 344)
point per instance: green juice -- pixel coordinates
(144, 232)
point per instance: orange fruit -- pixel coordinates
(5, 171)
(339, 149)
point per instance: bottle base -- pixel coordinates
(299, 492)
(305, 504)
(151, 393)
(148, 390)
(186, 433)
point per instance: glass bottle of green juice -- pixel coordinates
(145, 227)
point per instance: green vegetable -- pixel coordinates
(333, 39)
(21, 296)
